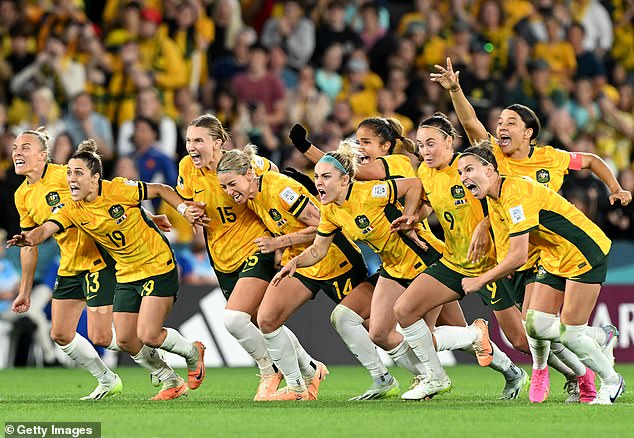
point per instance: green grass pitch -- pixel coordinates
(222, 407)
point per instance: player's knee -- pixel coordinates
(100, 339)
(149, 336)
(379, 337)
(236, 322)
(536, 326)
(342, 317)
(571, 339)
(268, 321)
(62, 338)
(403, 312)
(520, 343)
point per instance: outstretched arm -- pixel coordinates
(600, 169)
(297, 135)
(35, 236)
(309, 257)
(516, 257)
(448, 79)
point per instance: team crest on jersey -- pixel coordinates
(543, 176)
(52, 198)
(275, 215)
(363, 222)
(457, 192)
(116, 211)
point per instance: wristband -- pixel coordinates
(181, 208)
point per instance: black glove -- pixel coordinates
(298, 137)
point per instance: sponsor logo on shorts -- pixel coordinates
(541, 273)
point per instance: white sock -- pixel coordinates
(113, 343)
(455, 338)
(419, 338)
(572, 366)
(306, 363)
(540, 348)
(283, 354)
(250, 338)
(349, 325)
(405, 357)
(575, 338)
(82, 352)
(149, 359)
(175, 343)
(542, 325)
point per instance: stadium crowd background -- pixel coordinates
(133, 74)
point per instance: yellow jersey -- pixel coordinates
(279, 202)
(458, 212)
(37, 202)
(117, 223)
(366, 215)
(570, 244)
(233, 227)
(546, 165)
(397, 166)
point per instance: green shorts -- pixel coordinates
(405, 282)
(515, 287)
(128, 296)
(596, 275)
(494, 295)
(544, 277)
(339, 287)
(97, 288)
(258, 265)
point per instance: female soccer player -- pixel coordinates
(231, 229)
(82, 278)
(458, 213)
(364, 211)
(517, 154)
(147, 277)
(571, 247)
(380, 140)
(291, 214)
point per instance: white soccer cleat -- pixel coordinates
(608, 393)
(379, 391)
(105, 390)
(515, 386)
(424, 388)
(572, 389)
(612, 337)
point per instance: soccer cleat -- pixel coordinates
(379, 391)
(571, 387)
(608, 393)
(587, 390)
(105, 390)
(172, 390)
(424, 388)
(196, 372)
(153, 378)
(268, 385)
(483, 348)
(320, 375)
(288, 394)
(514, 387)
(540, 386)
(612, 337)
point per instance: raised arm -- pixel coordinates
(297, 135)
(309, 257)
(516, 257)
(600, 169)
(448, 79)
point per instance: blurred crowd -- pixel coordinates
(132, 74)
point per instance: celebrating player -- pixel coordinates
(147, 277)
(571, 247)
